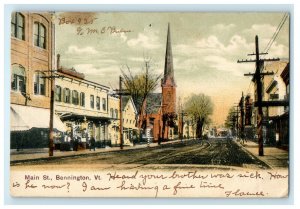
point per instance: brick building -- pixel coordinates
(32, 59)
(161, 107)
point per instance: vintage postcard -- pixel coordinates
(124, 104)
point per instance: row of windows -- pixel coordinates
(18, 81)
(18, 30)
(130, 121)
(67, 96)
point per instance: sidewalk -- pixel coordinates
(274, 157)
(42, 153)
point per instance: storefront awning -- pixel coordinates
(25, 118)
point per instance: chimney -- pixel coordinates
(58, 61)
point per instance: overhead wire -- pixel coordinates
(271, 41)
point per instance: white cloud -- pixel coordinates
(223, 28)
(210, 42)
(73, 49)
(147, 40)
(278, 50)
(262, 30)
(136, 59)
(90, 69)
(122, 36)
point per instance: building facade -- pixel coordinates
(32, 52)
(83, 106)
(276, 88)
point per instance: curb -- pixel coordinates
(251, 154)
(138, 147)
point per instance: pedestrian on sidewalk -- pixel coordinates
(75, 145)
(92, 143)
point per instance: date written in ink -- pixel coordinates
(77, 20)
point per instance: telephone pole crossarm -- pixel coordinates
(257, 79)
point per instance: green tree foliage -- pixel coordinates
(199, 107)
(231, 119)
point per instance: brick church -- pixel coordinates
(161, 107)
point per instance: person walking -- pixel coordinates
(92, 143)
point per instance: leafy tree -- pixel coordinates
(230, 121)
(199, 107)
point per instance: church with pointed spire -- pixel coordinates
(168, 84)
(161, 107)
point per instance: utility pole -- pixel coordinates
(237, 121)
(257, 78)
(121, 92)
(52, 85)
(121, 115)
(241, 104)
(51, 148)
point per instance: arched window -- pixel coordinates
(82, 99)
(75, 99)
(39, 35)
(18, 82)
(39, 83)
(57, 93)
(17, 25)
(67, 96)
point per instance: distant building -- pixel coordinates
(32, 59)
(129, 116)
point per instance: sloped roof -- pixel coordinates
(153, 103)
(125, 100)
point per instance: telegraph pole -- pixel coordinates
(257, 78)
(121, 115)
(241, 104)
(51, 148)
(237, 121)
(52, 77)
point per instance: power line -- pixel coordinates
(279, 27)
(271, 41)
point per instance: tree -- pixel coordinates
(139, 86)
(199, 107)
(231, 119)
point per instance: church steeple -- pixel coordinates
(169, 71)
